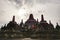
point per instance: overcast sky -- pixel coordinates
(22, 8)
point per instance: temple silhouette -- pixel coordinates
(31, 28)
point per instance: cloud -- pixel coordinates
(31, 2)
(6, 11)
(50, 9)
(48, 1)
(16, 3)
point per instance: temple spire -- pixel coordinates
(37, 19)
(42, 17)
(57, 24)
(49, 21)
(31, 16)
(13, 19)
(22, 20)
